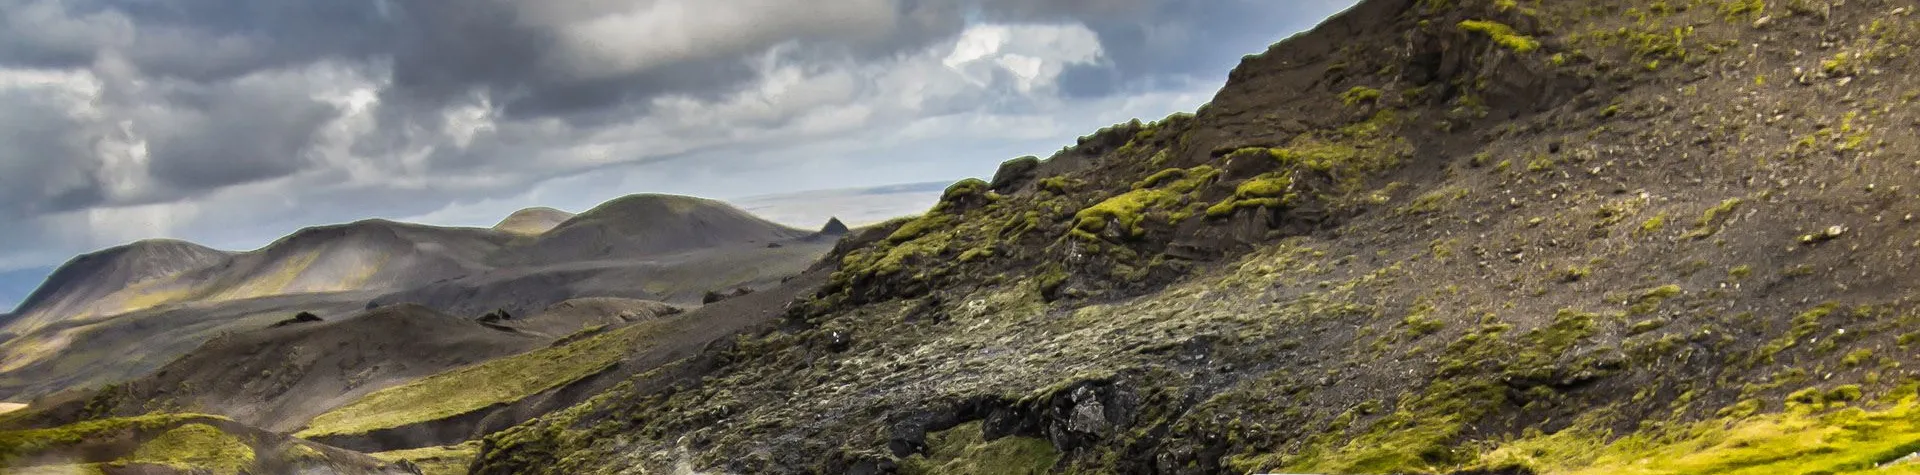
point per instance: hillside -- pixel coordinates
(650, 224)
(1425, 237)
(174, 443)
(532, 221)
(86, 285)
(466, 403)
(647, 247)
(278, 377)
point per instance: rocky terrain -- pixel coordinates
(1427, 236)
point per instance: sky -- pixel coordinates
(233, 122)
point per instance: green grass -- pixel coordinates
(963, 450)
(476, 387)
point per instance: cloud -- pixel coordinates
(233, 121)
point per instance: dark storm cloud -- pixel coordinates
(200, 40)
(220, 93)
(46, 157)
(215, 137)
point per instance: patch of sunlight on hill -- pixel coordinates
(479, 386)
(275, 282)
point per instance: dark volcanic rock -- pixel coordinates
(716, 296)
(302, 317)
(834, 227)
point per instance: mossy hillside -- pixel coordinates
(1812, 437)
(975, 236)
(1426, 341)
(963, 450)
(1167, 194)
(196, 447)
(477, 387)
(20, 443)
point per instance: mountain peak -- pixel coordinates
(834, 227)
(532, 221)
(92, 276)
(652, 224)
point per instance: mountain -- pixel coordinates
(16, 284)
(650, 224)
(834, 227)
(532, 221)
(92, 284)
(167, 297)
(1480, 236)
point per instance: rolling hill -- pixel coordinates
(650, 224)
(281, 376)
(91, 284)
(532, 221)
(168, 297)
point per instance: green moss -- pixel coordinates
(1270, 190)
(963, 450)
(27, 442)
(1502, 34)
(920, 226)
(1740, 271)
(1653, 225)
(1164, 192)
(964, 188)
(1798, 441)
(1360, 95)
(479, 386)
(1435, 200)
(1058, 185)
(1844, 393)
(1804, 325)
(1650, 300)
(1166, 176)
(1856, 357)
(196, 447)
(1422, 323)
(443, 460)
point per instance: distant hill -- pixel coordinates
(88, 284)
(532, 221)
(175, 443)
(650, 224)
(280, 376)
(166, 297)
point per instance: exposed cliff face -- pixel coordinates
(1428, 236)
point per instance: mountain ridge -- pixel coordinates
(661, 239)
